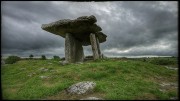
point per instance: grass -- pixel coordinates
(123, 79)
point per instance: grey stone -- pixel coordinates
(78, 32)
(44, 77)
(173, 98)
(73, 49)
(79, 62)
(34, 73)
(80, 28)
(162, 90)
(95, 46)
(31, 74)
(81, 87)
(2, 62)
(171, 68)
(63, 62)
(168, 84)
(43, 69)
(98, 47)
(91, 98)
(49, 63)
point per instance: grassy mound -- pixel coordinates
(115, 79)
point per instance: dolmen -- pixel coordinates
(77, 33)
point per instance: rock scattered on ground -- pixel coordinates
(30, 75)
(173, 98)
(49, 63)
(81, 87)
(167, 86)
(63, 62)
(43, 69)
(79, 62)
(43, 77)
(92, 98)
(2, 62)
(171, 68)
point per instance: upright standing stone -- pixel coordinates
(95, 46)
(79, 53)
(73, 49)
(98, 47)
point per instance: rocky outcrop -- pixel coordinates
(81, 87)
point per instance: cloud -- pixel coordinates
(132, 27)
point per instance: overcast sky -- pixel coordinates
(132, 28)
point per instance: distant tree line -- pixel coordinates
(14, 59)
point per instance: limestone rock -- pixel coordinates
(168, 84)
(2, 62)
(44, 77)
(171, 68)
(90, 19)
(164, 86)
(63, 62)
(50, 63)
(80, 28)
(78, 32)
(79, 62)
(73, 49)
(95, 46)
(43, 69)
(92, 98)
(174, 98)
(81, 87)
(31, 74)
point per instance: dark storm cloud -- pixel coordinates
(145, 25)
(21, 27)
(133, 28)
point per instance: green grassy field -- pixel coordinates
(123, 79)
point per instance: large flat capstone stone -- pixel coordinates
(80, 28)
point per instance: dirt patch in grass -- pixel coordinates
(13, 90)
(48, 84)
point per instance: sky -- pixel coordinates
(133, 28)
